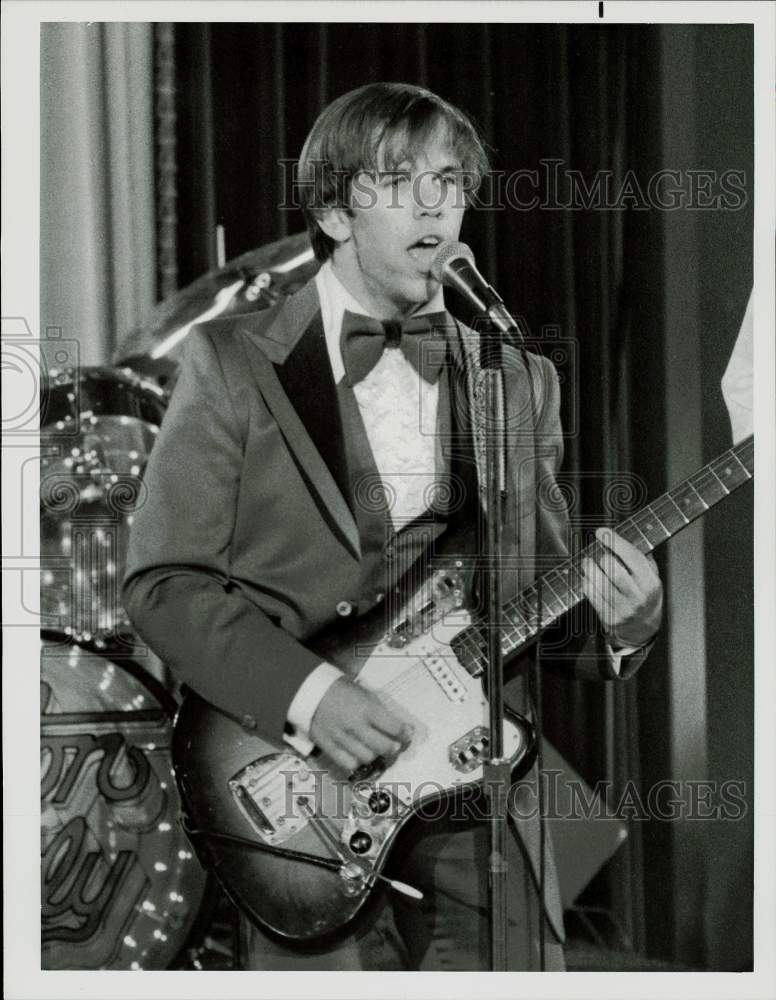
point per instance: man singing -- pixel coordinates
(263, 525)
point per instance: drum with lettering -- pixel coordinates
(121, 886)
(98, 426)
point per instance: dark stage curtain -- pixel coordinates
(576, 104)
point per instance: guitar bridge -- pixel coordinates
(267, 792)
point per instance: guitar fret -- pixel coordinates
(511, 640)
(515, 635)
(670, 516)
(531, 619)
(660, 520)
(724, 469)
(522, 630)
(744, 453)
(636, 526)
(472, 641)
(630, 532)
(562, 574)
(719, 480)
(649, 525)
(738, 461)
(555, 594)
(521, 622)
(695, 508)
(541, 615)
(480, 658)
(522, 635)
(682, 514)
(708, 486)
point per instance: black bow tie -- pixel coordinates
(363, 340)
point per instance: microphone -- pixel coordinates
(453, 265)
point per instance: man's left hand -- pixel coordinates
(623, 586)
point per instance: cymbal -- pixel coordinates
(253, 281)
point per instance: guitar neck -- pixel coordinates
(553, 594)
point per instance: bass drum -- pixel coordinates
(121, 886)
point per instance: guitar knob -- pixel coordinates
(360, 842)
(379, 802)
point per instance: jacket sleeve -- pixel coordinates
(577, 637)
(177, 589)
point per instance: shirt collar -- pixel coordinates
(335, 299)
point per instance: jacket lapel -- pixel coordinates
(299, 389)
(315, 399)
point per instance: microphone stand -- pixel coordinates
(454, 265)
(496, 769)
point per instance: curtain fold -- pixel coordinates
(97, 184)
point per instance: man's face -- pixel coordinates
(399, 218)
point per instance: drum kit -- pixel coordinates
(121, 886)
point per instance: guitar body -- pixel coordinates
(298, 844)
(235, 784)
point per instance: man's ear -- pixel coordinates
(336, 223)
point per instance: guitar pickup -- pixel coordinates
(443, 673)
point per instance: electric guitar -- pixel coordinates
(298, 844)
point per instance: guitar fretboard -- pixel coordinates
(553, 594)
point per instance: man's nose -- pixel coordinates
(428, 195)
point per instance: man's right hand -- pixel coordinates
(353, 726)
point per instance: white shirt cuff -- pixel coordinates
(615, 656)
(305, 702)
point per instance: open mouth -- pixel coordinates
(424, 249)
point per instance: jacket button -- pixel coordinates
(248, 722)
(344, 608)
